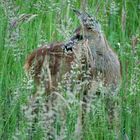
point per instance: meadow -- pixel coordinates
(24, 26)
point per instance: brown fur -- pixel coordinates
(54, 55)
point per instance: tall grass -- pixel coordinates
(54, 21)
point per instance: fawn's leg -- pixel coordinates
(113, 115)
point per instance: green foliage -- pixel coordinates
(48, 20)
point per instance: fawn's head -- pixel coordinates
(89, 23)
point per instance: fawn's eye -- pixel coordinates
(89, 28)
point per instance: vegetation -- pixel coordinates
(24, 25)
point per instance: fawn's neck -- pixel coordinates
(106, 60)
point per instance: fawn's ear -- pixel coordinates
(78, 13)
(84, 17)
(88, 21)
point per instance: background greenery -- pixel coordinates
(53, 20)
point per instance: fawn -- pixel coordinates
(104, 58)
(58, 58)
